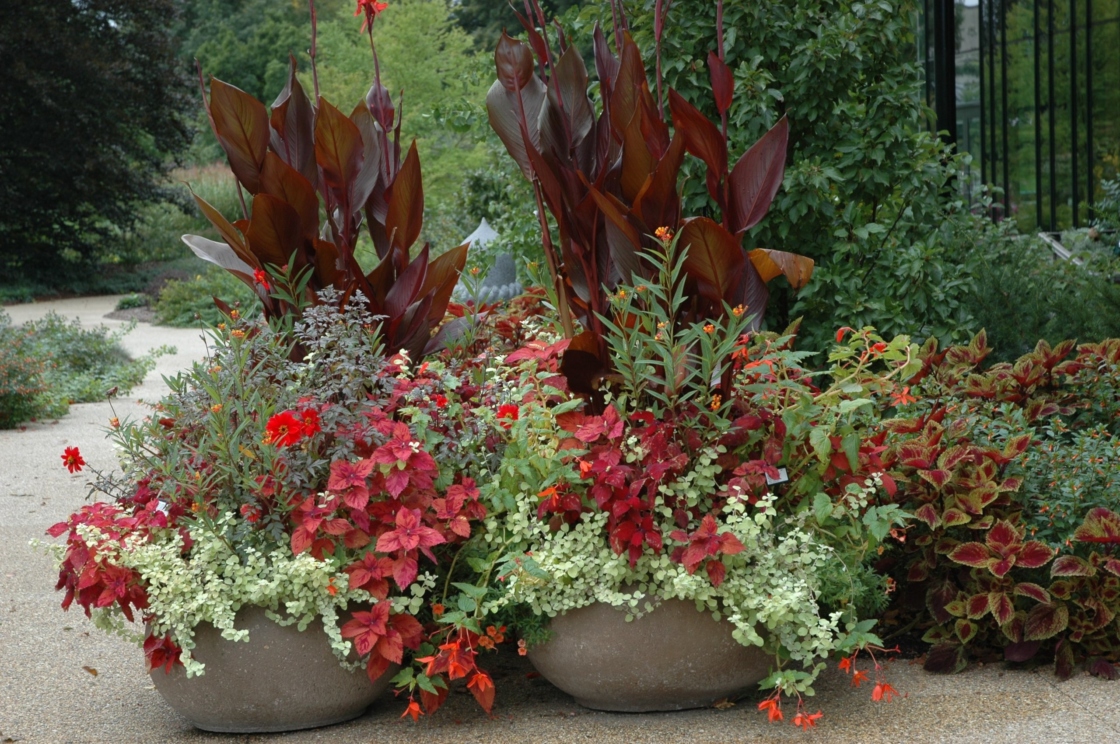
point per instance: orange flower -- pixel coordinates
(859, 677)
(437, 609)
(883, 691)
(115, 422)
(738, 311)
(216, 408)
(331, 588)
(413, 710)
(521, 648)
(716, 402)
(840, 333)
(806, 720)
(237, 333)
(709, 329)
(664, 234)
(904, 398)
(773, 709)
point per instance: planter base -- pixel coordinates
(673, 658)
(281, 680)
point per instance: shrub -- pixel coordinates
(54, 363)
(1023, 293)
(21, 376)
(188, 303)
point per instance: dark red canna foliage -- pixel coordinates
(317, 177)
(610, 181)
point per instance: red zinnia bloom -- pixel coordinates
(72, 459)
(261, 278)
(310, 422)
(510, 412)
(283, 429)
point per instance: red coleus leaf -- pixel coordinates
(1003, 537)
(1002, 607)
(716, 572)
(1100, 526)
(972, 554)
(1071, 565)
(978, 606)
(405, 569)
(1034, 555)
(610, 425)
(346, 475)
(367, 628)
(410, 534)
(1034, 591)
(1045, 620)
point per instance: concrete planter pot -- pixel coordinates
(280, 680)
(673, 658)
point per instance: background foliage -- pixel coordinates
(91, 107)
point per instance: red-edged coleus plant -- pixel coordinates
(610, 182)
(317, 177)
(342, 485)
(974, 577)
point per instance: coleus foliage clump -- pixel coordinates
(610, 181)
(317, 177)
(976, 574)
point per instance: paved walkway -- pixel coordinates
(50, 693)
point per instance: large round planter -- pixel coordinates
(673, 658)
(280, 680)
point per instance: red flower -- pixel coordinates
(773, 709)
(372, 9)
(310, 422)
(72, 459)
(413, 710)
(840, 333)
(283, 429)
(883, 691)
(261, 278)
(509, 412)
(439, 400)
(806, 720)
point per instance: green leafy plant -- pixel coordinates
(21, 376)
(54, 362)
(189, 303)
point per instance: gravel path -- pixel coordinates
(63, 681)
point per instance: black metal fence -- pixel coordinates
(1033, 93)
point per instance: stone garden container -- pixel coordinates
(673, 658)
(280, 680)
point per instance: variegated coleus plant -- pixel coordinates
(974, 577)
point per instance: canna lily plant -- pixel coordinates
(610, 180)
(317, 178)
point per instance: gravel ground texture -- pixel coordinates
(63, 681)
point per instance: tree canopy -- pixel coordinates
(91, 106)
